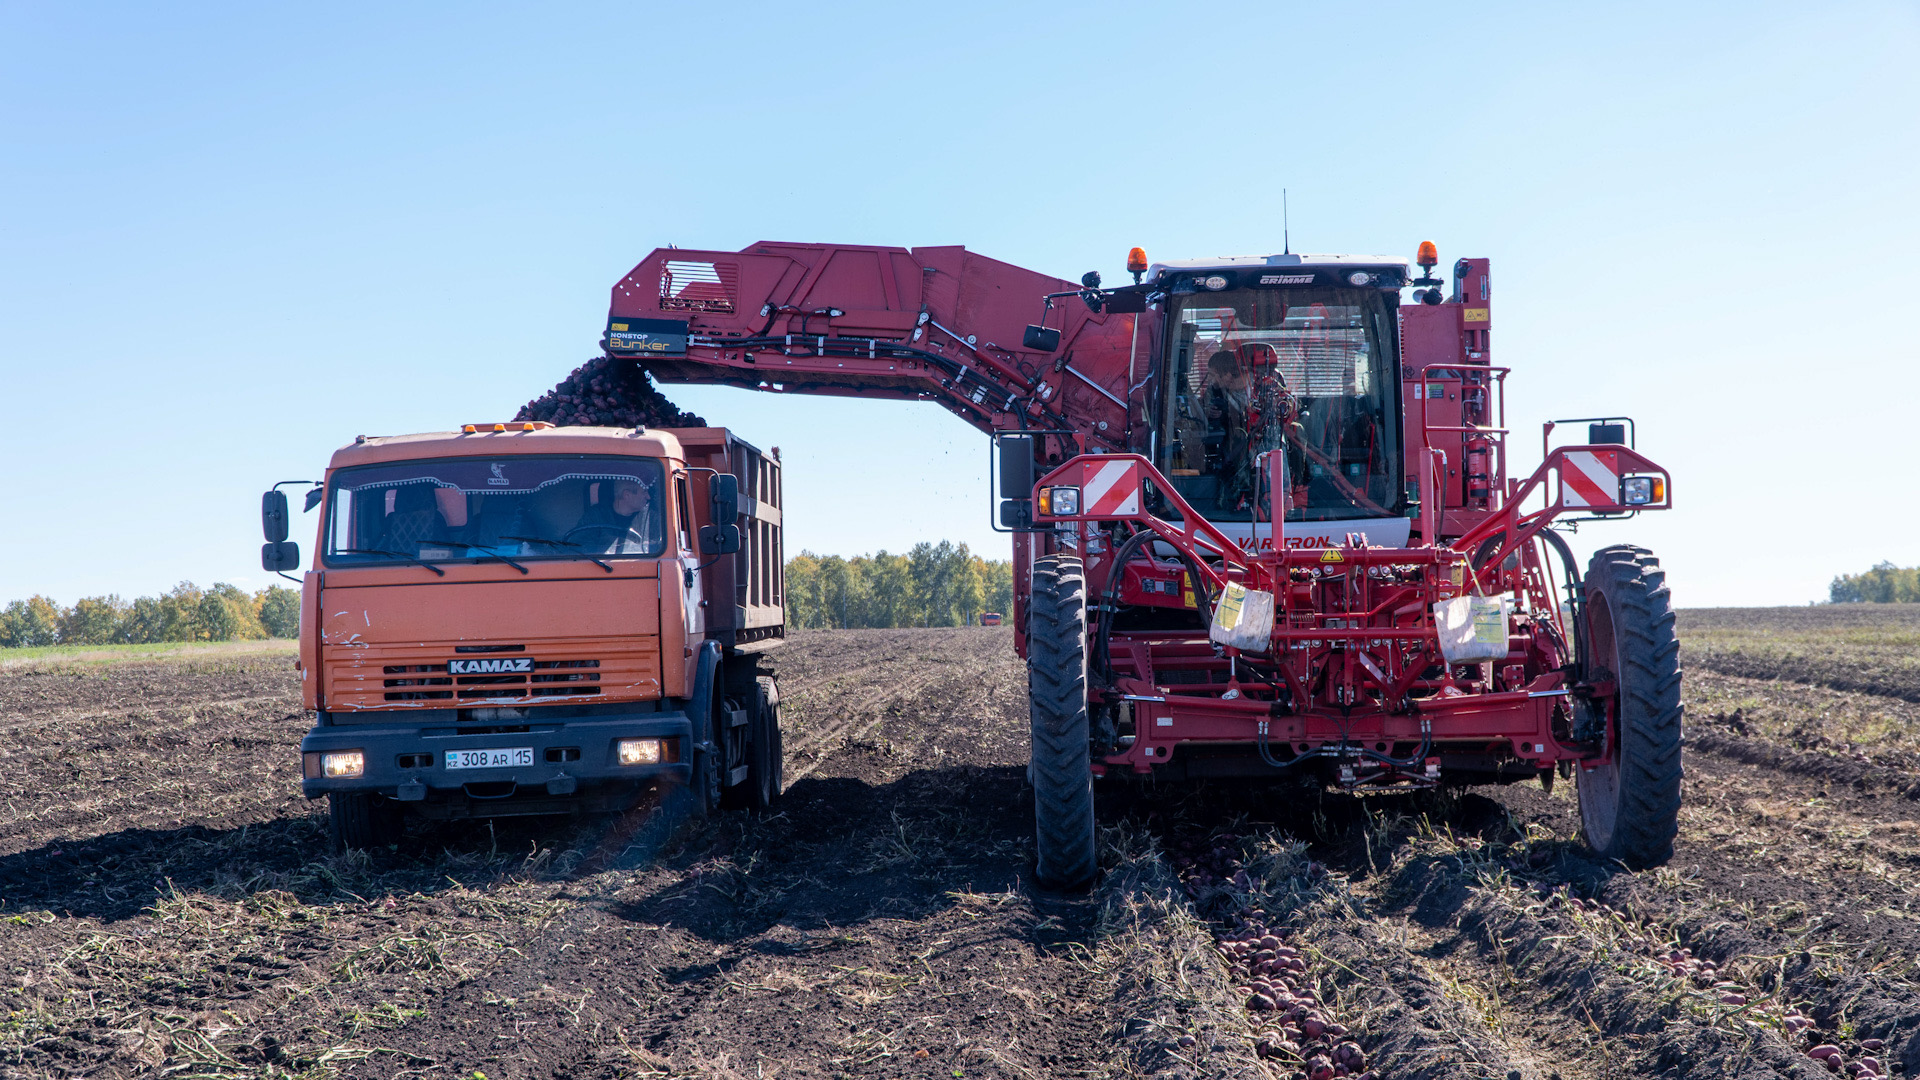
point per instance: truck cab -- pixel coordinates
(521, 619)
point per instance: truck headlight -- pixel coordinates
(638, 751)
(1641, 490)
(343, 764)
(1060, 501)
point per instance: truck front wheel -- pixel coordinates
(361, 821)
(1630, 807)
(1061, 767)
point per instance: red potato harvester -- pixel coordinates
(1263, 517)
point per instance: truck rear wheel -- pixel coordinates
(1060, 766)
(1630, 807)
(761, 752)
(767, 757)
(362, 821)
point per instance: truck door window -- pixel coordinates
(532, 507)
(680, 502)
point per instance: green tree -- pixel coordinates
(890, 590)
(805, 610)
(997, 579)
(842, 592)
(30, 622)
(146, 621)
(214, 618)
(279, 610)
(1884, 584)
(93, 620)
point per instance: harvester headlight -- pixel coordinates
(1060, 501)
(638, 751)
(1641, 490)
(343, 764)
(1360, 277)
(1215, 282)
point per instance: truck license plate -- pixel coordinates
(493, 758)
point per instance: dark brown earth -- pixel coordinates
(168, 907)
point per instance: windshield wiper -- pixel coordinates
(608, 567)
(482, 555)
(395, 554)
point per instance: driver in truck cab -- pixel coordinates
(618, 522)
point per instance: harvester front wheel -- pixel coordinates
(362, 821)
(1630, 807)
(1060, 767)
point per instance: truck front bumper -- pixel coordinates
(571, 764)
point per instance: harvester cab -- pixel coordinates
(1262, 514)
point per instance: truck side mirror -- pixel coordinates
(723, 536)
(280, 556)
(274, 516)
(719, 539)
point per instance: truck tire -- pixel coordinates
(709, 759)
(1060, 765)
(1630, 807)
(362, 821)
(762, 754)
(767, 757)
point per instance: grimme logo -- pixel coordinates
(489, 667)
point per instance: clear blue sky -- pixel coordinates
(233, 237)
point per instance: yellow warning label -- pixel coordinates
(1186, 592)
(618, 326)
(1459, 574)
(1476, 314)
(1330, 555)
(1232, 599)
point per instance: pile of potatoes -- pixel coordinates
(607, 392)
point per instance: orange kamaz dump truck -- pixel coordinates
(521, 619)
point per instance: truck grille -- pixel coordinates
(549, 679)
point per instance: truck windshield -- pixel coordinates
(489, 508)
(1308, 371)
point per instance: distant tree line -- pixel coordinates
(189, 613)
(1884, 584)
(940, 584)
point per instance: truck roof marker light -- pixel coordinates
(499, 427)
(466, 429)
(1137, 263)
(1429, 255)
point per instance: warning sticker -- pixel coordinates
(1330, 555)
(1475, 314)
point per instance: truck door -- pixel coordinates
(690, 564)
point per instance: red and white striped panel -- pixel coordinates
(1590, 478)
(1111, 489)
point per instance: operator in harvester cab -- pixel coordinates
(1259, 412)
(619, 522)
(1226, 395)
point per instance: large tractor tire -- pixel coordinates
(361, 821)
(1630, 807)
(1060, 767)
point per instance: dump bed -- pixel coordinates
(745, 592)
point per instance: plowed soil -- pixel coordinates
(168, 905)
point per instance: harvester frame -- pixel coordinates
(1384, 524)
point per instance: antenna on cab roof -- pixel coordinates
(1286, 230)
